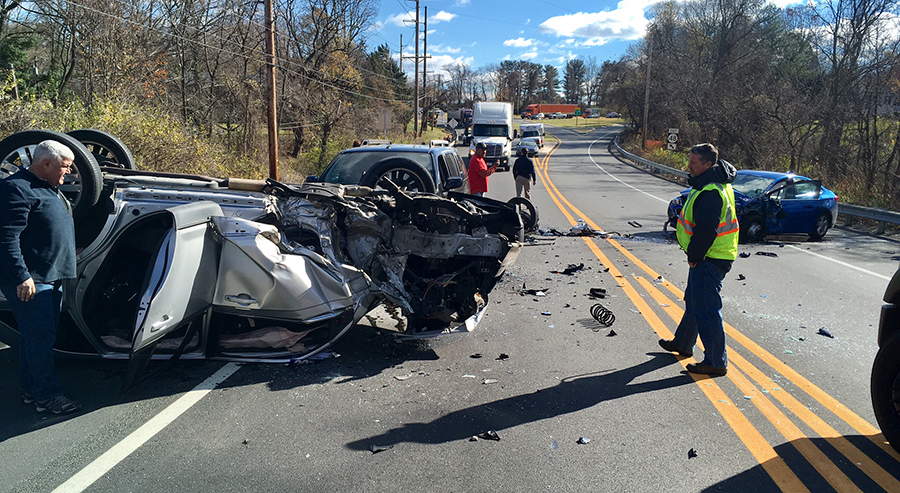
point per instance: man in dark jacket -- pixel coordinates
(524, 174)
(37, 252)
(708, 233)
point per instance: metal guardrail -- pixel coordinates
(849, 211)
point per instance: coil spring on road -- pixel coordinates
(602, 315)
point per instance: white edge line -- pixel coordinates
(95, 470)
(850, 266)
(613, 177)
(845, 264)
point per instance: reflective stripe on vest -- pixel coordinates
(725, 245)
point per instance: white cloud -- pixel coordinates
(531, 55)
(626, 22)
(400, 20)
(518, 42)
(462, 2)
(441, 16)
(444, 49)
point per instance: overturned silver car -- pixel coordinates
(198, 267)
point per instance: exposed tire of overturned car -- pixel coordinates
(197, 267)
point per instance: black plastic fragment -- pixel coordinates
(741, 277)
(767, 254)
(691, 454)
(570, 270)
(490, 435)
(583, 441)
(379, 448)
(744, 255)
(475, 356)
(502, 357)
(824, 332)
(612, 333)
(598, 293)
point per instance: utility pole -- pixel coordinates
(270, 69)
(424, 71)
(401, 53)
(647, 90)
(416, 88)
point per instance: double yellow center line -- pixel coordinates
(743, 374)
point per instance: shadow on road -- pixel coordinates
(570, 395)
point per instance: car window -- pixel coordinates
(460, 168)
(443, 168)
(347, 168)
(806, 190)
(751, 185)
(490, 130)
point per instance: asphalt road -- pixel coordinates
(793, 412)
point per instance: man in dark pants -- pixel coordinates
(708, 232)
(524, 174)
(37, 251)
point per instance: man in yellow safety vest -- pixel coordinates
(708, 232)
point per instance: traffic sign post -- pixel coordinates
(672, 139)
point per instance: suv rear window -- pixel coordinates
(347, 168)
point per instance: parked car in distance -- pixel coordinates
(886, 367)
(539, 116)
(415, 168)
(530, 144)
(557, 116)
(770, 202)
(612, 114)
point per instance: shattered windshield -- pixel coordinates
(348, 168)
(751, 185)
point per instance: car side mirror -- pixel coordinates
(312, 178)
(453, 182)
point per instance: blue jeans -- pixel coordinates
(703, 314)
(37, 320)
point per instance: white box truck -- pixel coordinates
(492, 125)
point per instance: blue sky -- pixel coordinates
(480, 32)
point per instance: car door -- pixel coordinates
(180, 282)
(800, 206)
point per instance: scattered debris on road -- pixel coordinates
(490, 435)
(744, 255)
(612, 333)
(502, 357)
(475, 356)
(598, 293)
(488, 381)
(635, 224)
(602, 315)
(583, 441)
(741, 277)
(379, 448)
(767, 254)
(569, 270)
(534, 292)
(691, 454)
(824, 332)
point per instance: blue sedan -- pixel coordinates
(771, 203)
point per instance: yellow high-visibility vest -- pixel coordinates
(725, 245)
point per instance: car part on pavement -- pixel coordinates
(106, 148)
(82, 185)
(602, 315)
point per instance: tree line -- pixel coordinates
(811, 88)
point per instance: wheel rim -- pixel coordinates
(405, 180)
(20, 159)
(821, 225)
(103, 155)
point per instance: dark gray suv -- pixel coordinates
(416, 168)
